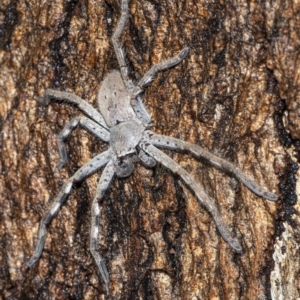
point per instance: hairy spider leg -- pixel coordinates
(161, 66)
(117, 45)
(93, 165)
(173, 143)
(135, 99)
(73, 99)
(136, 103)
(140, 111)
(202, 197)
(135, 91)
(86, 123)
(103, 185)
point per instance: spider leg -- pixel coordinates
(86, 123)
(161, 66)
(103, 184)
(202, 197)
(73, 99)
(86, 170)
(169, 142)
(117, 45)
(136, 101)
(140, 111)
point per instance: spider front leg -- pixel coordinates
(176, 144)
(86, 123)
(93, 165)
(103, 184)
(73, 99)
(202, 197)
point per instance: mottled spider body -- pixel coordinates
(123, 123)
(114, 101)
(126, 130)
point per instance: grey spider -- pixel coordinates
(123, 123)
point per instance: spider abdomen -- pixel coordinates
(114, 100)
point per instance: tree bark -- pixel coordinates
(237, 94)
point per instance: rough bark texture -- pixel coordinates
(237, 94)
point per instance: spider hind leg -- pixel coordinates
(161, 66)
(117, 45)
(135, 99)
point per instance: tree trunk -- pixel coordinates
(237, 94)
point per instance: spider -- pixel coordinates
(123, 123)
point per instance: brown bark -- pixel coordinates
(236, 94)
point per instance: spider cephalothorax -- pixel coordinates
(123, 123)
